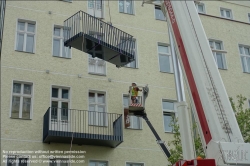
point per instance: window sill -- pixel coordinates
(166, 72)
(133, 129)
(20, 118)
(160, 20)
(225, 17)
(25, 52)
(130, 67)
(98, 74)
(222, 69)
(128, 13)
(246, 72)
(61, 57)
(67, 1)
(169, 132)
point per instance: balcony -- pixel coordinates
(86, 127)
(99, 39)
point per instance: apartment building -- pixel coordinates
(60, 99)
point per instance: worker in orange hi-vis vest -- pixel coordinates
(134, 92)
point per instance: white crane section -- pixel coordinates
(220, 133)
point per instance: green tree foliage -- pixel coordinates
(242, 116)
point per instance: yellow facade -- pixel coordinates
(138, 146)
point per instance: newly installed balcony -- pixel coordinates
(86, 127)
(99, 39)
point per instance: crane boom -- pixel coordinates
(220, 133)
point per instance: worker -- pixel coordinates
(134, 94)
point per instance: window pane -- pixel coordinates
(101, 98)
(219, 57)
(16, 88)
(21, 26)
(125, 101)
(91, 163)
(218, 45)
(54, 106)
(135, 122)
(167, 105)
(26, 108)
(31, 27)
(64, 111)
(56, 47)
(211, 44)
(20, 41)
(163, 49)
(55, 92)
(102, 164)
(248, 64)
(30, 43)
(65, 93)
(201, 8)
(11, 161)
(91, 4)
(158, 14)
(101, 108)
(241, 50)
(23, 162)
(164, 63)
(228, 14)
(222, 13)
(129, 6)
(98, 4)
(27, 89)
(243, 62)
(167, 122)
(91, 108)
(15, 107)
(65, 51)
(246, 51)
(121, 6)
(57, 31)
(91, 98)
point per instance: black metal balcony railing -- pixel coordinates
(86, 127)
(100, 39)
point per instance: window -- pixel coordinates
(96, 64)
(126, 6)
(165, 60)
(245, 58)
(135, 122)
(159, 14)
(226, 13)
(127, 42)
(200, 7)
(25, 40)
(168, 108)
(219, 54)
(60, 101)
(17, 160)
(59, 162)
(97, 109)
(59, 49)
(249, 17)
(249, 103)
(95, 8)
(98, 163)
(21, 100)
(134, 164)
(67, 0)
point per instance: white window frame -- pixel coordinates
(96, 104)
(25, 32)
(248, 17)
(58, 163)
(197, 7)
(165, 54)
(244, 56)
(102, 12)
(98, 161)
(70, 1)
(132, 163)
(136, 57)
(224, 13)
(21, 95)
(17, 156)
(131, 117)
(155, 6)
(62, 47)
(167, 111)
(222, 51)
(248, 103)
(125, 9)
